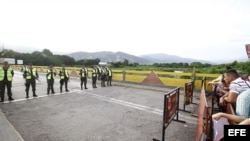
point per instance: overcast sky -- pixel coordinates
(199, 29)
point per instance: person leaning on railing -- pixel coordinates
(237, 87)
(219, 82)
(221, 89)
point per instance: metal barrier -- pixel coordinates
(188, 95)
(171, 109)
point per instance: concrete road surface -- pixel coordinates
(122, 112)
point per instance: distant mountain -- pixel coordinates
(165, 58)
(107, 56)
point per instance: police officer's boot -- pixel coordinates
(27, 94)
(66, 88)
(34, 94)
(53, 91)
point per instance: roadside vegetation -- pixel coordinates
(185, 67)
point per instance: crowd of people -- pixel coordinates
(30, 74)
(233, 87)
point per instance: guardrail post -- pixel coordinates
(123, 75)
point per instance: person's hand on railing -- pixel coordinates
(222, 102)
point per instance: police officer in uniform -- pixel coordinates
(50, 80)
(94, 76)
(64, 78)
(83, 76)
(103, 76)
(109, 77)
(6, 75)
(30, 75)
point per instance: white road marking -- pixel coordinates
(40, 97)
(139, 107)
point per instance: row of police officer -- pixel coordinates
(31, 75)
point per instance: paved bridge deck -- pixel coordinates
(123, 112)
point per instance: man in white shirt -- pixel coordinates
(237, 87)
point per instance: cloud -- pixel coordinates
(186, 28)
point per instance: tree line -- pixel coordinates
(46, 58)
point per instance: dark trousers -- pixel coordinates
(94, 82)
(99, 76)
(2, 89)
(109, 79)
(31, 82)
(103, 79)
(84, 81)
(62, 82)
(50, 86)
